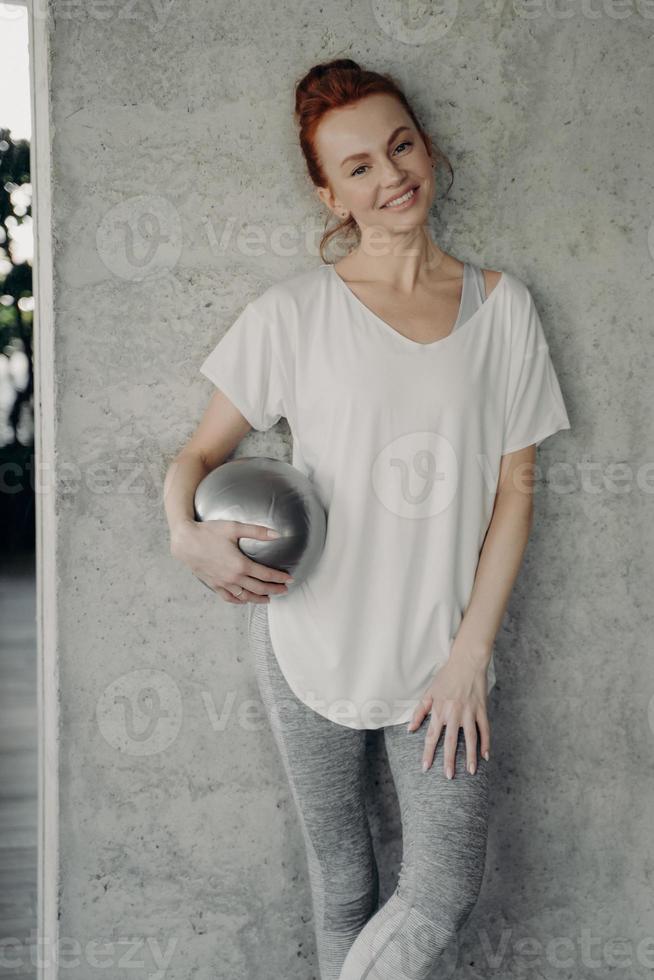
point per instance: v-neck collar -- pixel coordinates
(416, 344)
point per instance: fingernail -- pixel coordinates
(449, 774)
(408, 727)
(425, 765)
(471, 769)
(272, 533)
(486, 755)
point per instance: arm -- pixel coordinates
(535, 410)
(500, 558)
(210, 548)
(220, 430)
(184, 474)
(456, 696)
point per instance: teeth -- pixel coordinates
(400, 200)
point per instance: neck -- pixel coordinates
(401, 259)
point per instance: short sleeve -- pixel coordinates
(246, 364)
(534, 406)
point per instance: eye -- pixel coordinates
(364, 165)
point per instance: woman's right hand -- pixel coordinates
(211, 551)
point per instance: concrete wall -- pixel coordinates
(173, 136)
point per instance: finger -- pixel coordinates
(241, 529)
(431, 741)
(256, 587)
(419, 713)
(238, 592)
(226, 595)
(242, 598)
(265, 573)
(484, 735)
(218, 590)
(449, 748)
(258, 570)
(470, 732)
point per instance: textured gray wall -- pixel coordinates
(173, 136)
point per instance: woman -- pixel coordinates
(416, 388)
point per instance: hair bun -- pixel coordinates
(312, 81)
(338, 63)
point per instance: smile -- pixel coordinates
(398, 202)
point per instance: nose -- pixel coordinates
(391, 174)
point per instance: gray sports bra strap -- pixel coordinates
(479, 282)
(473, 293)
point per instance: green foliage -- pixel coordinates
(15, 277)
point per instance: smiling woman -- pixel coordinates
(325, 108)
(411, 382)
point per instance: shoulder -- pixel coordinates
(512, 298)
(522, 322)
(288, 297)
(288, 308)
(518, 290)
(517, 303)
(293, 288)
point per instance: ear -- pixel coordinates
(326, 197)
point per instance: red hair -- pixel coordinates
(332, 85)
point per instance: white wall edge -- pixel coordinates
(39, 14)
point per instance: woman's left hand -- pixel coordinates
(456, 698)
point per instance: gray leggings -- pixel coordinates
(444, 831)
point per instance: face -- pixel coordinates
(372, 153)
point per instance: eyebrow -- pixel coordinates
(361, 156)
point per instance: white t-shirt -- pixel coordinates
(403, 443)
